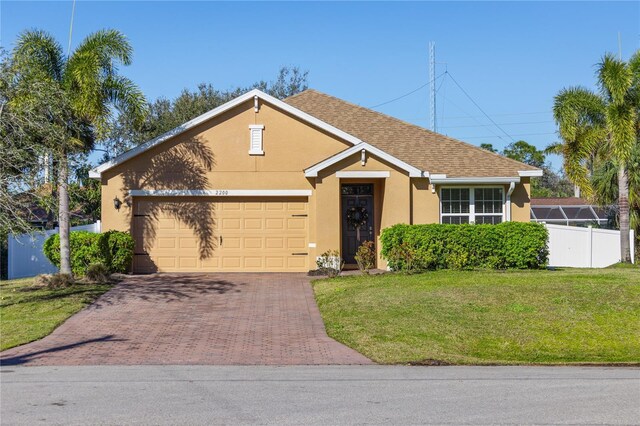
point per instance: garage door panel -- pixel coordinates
(253, 243)
(275, 242)
(232, 242)
(188, 262)
(166, 242)
(230, 224)
(296, 243)
(188, 242)
(274, 223)
(257, 235)
(253, 224)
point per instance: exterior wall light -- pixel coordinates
(117, 203)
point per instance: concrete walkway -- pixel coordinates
(319, 395)
(215, 319)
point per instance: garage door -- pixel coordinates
(214, 234)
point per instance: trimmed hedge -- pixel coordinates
(518, 245)
(113, 249)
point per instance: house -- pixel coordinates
(260, 184)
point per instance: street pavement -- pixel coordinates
(87, 395)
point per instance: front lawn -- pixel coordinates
(28, 313)
(487, 317)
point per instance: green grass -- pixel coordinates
(29, 313)
(487, 317)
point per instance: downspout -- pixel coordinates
(512, 186)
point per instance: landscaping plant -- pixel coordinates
(330, 263)
(113, 249)
(366, 256)
(507, 245)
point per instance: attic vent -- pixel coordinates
(255, 139)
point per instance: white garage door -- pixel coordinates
(220, 234)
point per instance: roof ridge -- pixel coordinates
(477, 148)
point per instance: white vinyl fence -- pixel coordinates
(25, 257)
(576, 247)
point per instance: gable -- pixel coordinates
(255, 98)
(217, 152)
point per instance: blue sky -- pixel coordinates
(510, 57)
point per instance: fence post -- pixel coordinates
(590, 247)
(632, 245)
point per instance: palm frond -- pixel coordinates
(38, 51)
(615, 79)
(127, 98)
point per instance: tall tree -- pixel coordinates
(88, 82)
(602, 127)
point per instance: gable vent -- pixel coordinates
(255, 139)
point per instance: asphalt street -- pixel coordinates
(319, 395)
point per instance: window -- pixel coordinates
(471, 205)
(255, 139)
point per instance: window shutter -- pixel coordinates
(255, 139)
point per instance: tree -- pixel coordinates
(88, 85)
(597, 128)
(489, 147)
(525, 153)
(165, 114)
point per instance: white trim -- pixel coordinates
(443, 179)
(530, 173)
(363, 174)
(97, 171)
(512, 186)
(256, 129)
(363, 146)
(220, 192)
(472, 202)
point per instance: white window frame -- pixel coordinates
(472, 202)
(256, 129)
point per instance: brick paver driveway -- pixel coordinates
(194, 319)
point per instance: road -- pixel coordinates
(319, 395)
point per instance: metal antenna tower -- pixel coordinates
(432, 87)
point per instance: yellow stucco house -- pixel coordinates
(260, 184)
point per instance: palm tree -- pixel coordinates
(90, 86)
(602, 127)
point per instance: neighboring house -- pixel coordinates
(571, 211)
(260, 184)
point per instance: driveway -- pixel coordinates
(217, 319)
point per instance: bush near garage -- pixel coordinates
(508, 245)
(113, 249)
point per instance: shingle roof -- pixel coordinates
(424, 149)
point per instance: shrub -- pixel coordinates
(437, 246)
(366, 256)
(330, 263)
(84, 247)
(97, 273)
(118, 251)
(113, 249)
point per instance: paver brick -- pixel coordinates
(223, 319)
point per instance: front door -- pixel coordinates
(357, 218)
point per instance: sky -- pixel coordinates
(511, 58)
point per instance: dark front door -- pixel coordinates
(357, 218)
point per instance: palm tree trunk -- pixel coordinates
(623, 204)
(63, 214)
